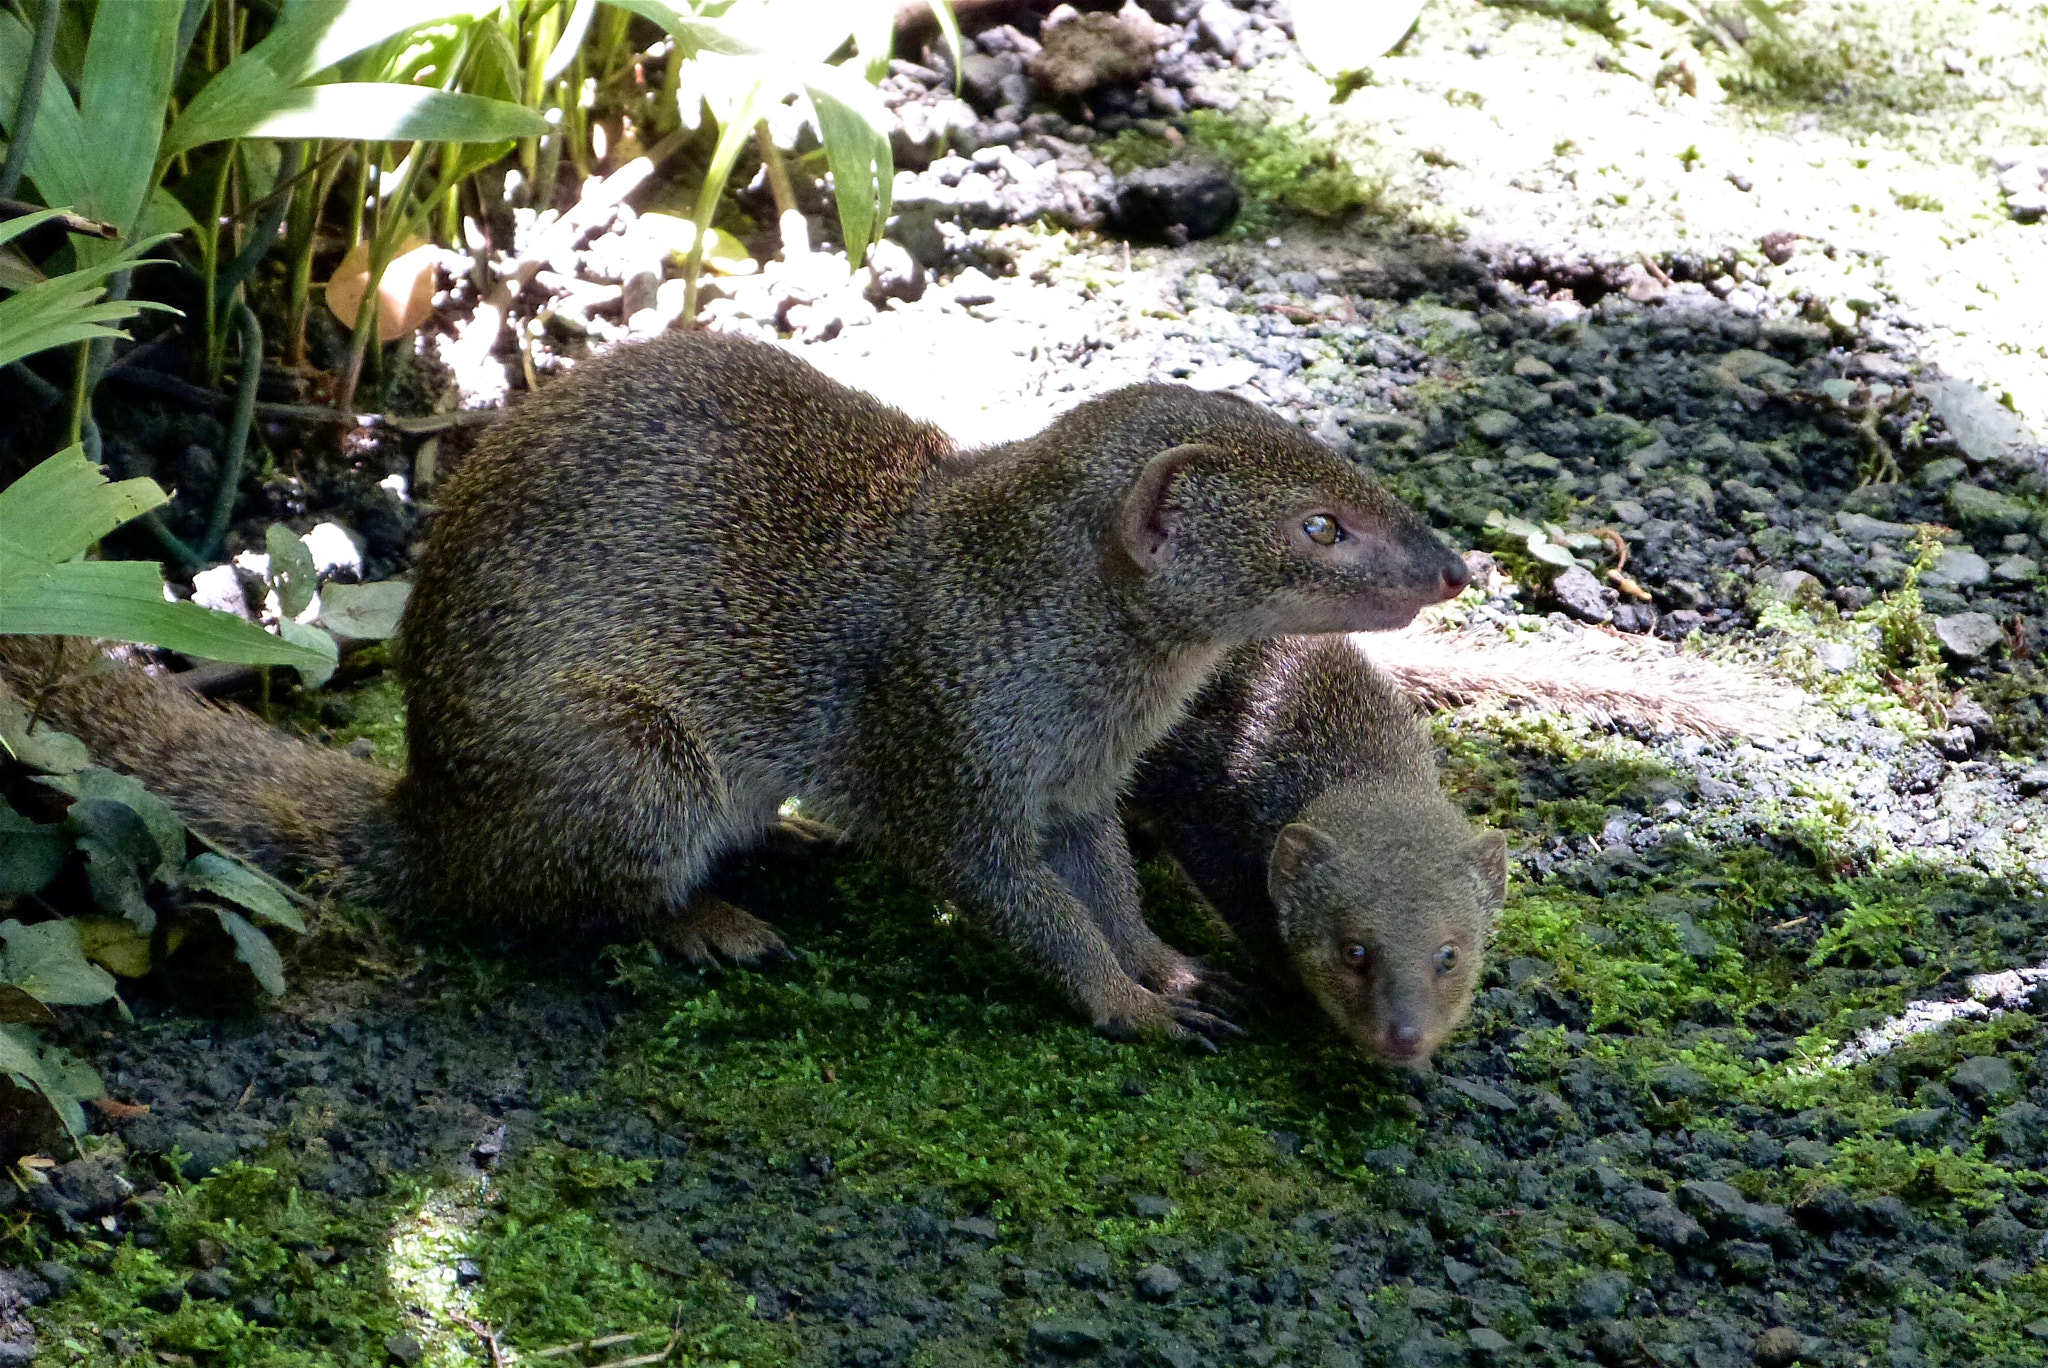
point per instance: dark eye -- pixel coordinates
(1322, 529)
(1355, 955)
(1446, 958)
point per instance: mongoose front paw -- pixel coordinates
(1153, 1017)
(711, 929)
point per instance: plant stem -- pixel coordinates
(31, 98)
(238, 433)
(81, 391)
(209, 268)
(777, 169)
(263, 235)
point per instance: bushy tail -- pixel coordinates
(1603, 678)
(281, 803)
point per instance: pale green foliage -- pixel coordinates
(58, 510)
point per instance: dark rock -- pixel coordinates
(1987, 431)
(1600, 1296)
(1151, 1208)
(1782, 1345)
(166, 1299)
(1826, 1209)
(895, 273)
(17, 1353)
(1918, 1127)
(1287, 1143)
(89, 1188)
(1488, 1341)
(1584, 597)
(207, 1152)
(1885, 1215)
(1088, 1266)
(1185, 200)
(1747, 1260)
(1982, 1078)
(978, 1228)
(404, 1350)
(210, 1285)
(1068, 1338)
(1725, 1211)
(1156, 1282)
(1656, 1218)
(2000, 1235)
(60, 1277)
(1986, 510)
(262, 1309)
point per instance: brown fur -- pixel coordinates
(1301, 796)
(695, 578)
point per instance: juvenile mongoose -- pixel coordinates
(1300, 794)
(695, 578)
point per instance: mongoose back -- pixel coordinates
(1301, 796)
(696, 578)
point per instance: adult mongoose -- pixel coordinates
(696, 578)
(1300, 794)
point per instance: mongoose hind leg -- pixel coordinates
(710, 930)
(1093, 856)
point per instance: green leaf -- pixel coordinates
(66, 503)
(45, 962)
(850, 123)
(18, 1007)
(30, 853)
(98, 785)
(1550, 553)
(224, 878)
(367, 612)
(38, 746)
(292, 572)
(63, 1080)
(116, 887)
(692, 34)
(68, 308)
(115, 945)
(380, 111)
(1348, 35)
(124, 601)
(316, 641)
(17, 272)
(60, 155)
(570, 42)
(124, 91)
(254, 949)
(309, 36)
(118, 830)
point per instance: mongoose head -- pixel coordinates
(1272, 533)
(1386, 920)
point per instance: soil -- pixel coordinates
(1656, 1142)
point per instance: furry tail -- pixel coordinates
(1601, 677)
(282, 803)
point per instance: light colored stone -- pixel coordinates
(1969, 636)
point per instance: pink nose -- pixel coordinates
(1403, 1040)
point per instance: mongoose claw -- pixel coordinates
(711, 931)
(1154, 1017)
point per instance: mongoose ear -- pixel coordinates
(1147, 530)
(1490, 868)
(1295, 850)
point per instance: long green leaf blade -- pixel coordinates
(131, 62)
(123, 601)
(59, 159)
(863, 169)
(381, 111)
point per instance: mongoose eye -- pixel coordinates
(1446, 958)
(1355, 955)
(1322, 529)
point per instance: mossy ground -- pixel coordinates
(898, 1148)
